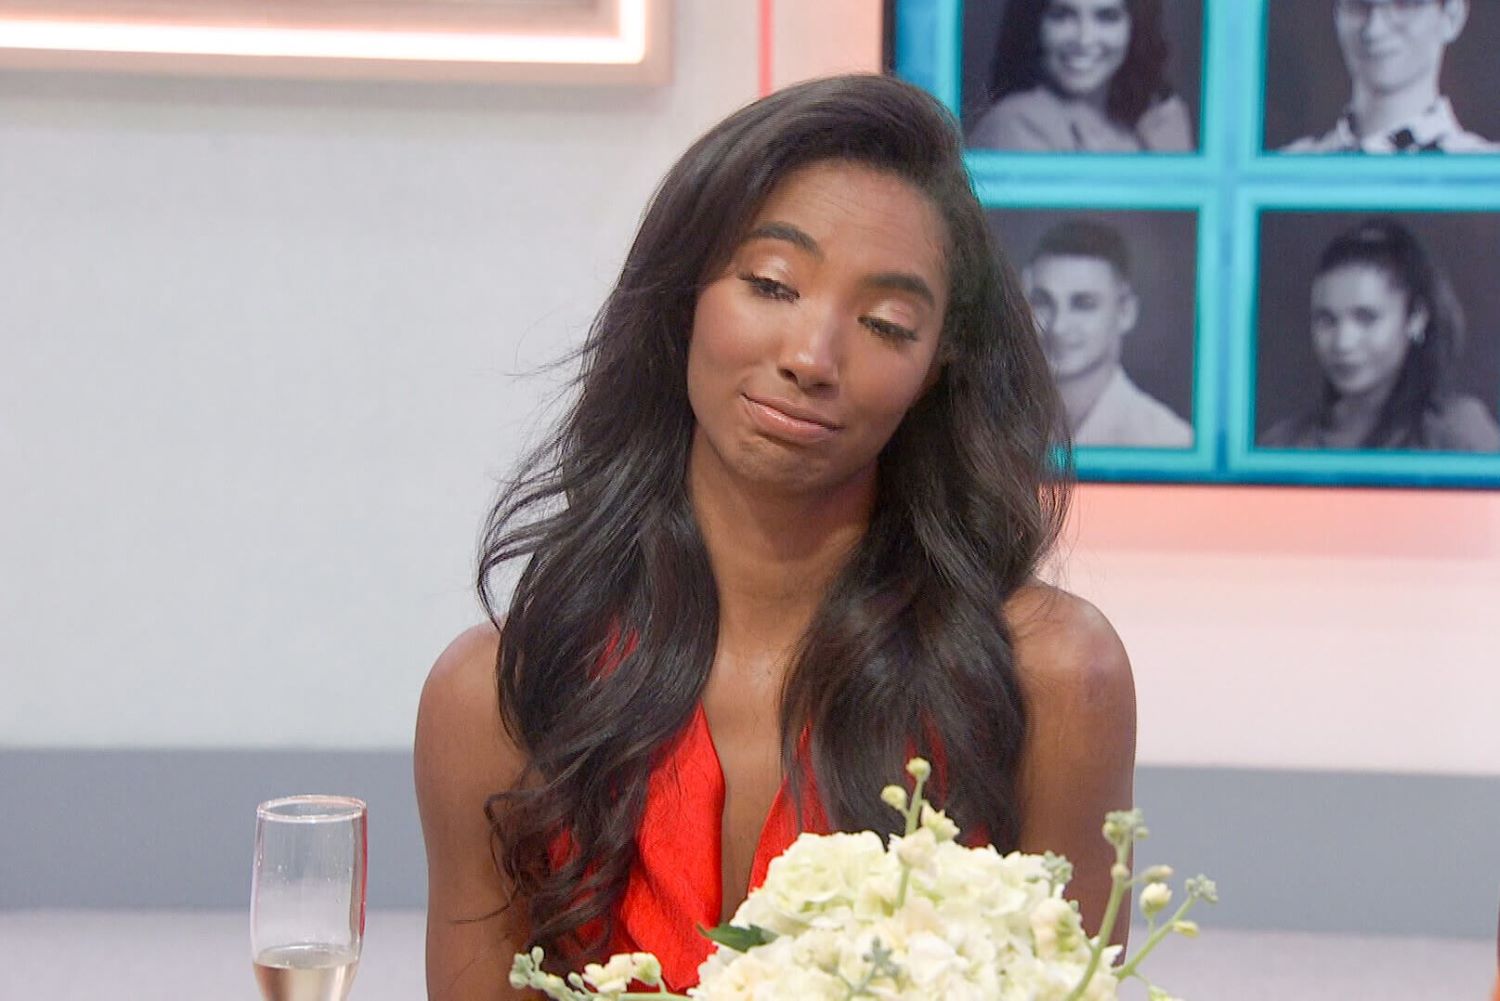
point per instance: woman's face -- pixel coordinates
(1362, 328)
(821, 332)
(1083, 43)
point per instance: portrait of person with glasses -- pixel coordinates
(1393, 51)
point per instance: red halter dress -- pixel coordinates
(676, 884)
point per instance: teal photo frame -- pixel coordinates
(1338, 168)
(1125, 463)
(1228, 183)
(928, 51)
(1251, 463)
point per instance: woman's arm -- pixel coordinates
(462, 757)
(1079, 761)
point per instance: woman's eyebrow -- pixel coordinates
(898, 281)
(787, 232)
(902, 281)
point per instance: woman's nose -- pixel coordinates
(810, 350)
(1377, 21)
(1346, 337)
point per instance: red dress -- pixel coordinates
(676, 884)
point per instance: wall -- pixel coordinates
(261, 370)
(260, 361)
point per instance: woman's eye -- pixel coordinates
(769, 288)
(888, 330)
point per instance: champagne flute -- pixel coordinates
(307, 897)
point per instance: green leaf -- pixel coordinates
(737, 938)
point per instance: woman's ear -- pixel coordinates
(1416, 324)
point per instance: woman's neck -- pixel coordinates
(1097, 99)
(773, 552)
(1351, 418)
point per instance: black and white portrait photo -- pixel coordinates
(1382, 76)
(1082, 76)
(1113, 295)
(1378, 331)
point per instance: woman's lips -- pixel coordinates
(803, 426)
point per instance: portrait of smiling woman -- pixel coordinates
(1088, 76)
(789, 533)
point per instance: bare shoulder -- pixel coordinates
(1067, 653)
(1078, 761)
(460, 739)
(463, 678)
(462, 758)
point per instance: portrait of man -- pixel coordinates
(1079, 283)
(1393, 52)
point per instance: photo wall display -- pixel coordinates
(1254, 263)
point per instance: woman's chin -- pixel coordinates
(1081, 87)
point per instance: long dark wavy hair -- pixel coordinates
(610, 632)
(1426, 377)
(1140, 82)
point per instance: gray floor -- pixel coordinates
(125, 955)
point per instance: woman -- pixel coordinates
(1387, 331)
(786, 537)
(1083, 76)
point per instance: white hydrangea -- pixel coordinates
(822, 881)
(841, 916)
(973, 925)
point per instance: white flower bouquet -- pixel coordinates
(842, 916)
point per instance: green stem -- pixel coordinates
(914, 808)
(913, 816)
(1154, 940)
(1107, 926)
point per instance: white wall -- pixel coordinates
(257, 348)
(1302, 628)
(256, 378)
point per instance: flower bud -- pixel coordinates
(1157, 874)
(1185, 928)
(917, 850)
(1121, 827)
(894, 797)
(938, 823)
(1154, 898)
(1119, 871)
(918, 768)
(647, 968)
(1058, 868)
(1202, 888)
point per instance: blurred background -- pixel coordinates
(268, 344)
